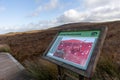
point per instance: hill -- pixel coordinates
(29, 44)
(32, 44)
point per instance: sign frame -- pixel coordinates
(88, 72)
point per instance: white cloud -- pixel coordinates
(52, 4)
(27, 27)
(95, 3)
(96, 10)
(98, 3)
(96, 13)
(70, 16)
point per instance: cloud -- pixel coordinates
(28, 27)
(52, 4)
(98, 3)
(40, 25)
(70, 16)
(95, 3)
(95, 11)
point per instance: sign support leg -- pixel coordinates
(81, 77)
(59, 73)
(88, 78)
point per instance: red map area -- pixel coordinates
(76, 51)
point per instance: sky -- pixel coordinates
(25, 15)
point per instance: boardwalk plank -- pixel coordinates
(9, 67)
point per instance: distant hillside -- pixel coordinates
(28, 44)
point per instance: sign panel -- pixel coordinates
(77, 49)
(74, 48)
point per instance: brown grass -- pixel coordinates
(30, 45)
(4, 48)
(40, 69)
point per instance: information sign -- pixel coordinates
(77, 50)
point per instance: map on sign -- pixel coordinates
(74, 48)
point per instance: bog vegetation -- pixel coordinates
(29, 47)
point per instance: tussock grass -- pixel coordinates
(41, 70)
(107, 69)
(4, 48)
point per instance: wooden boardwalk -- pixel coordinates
(10, 68)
